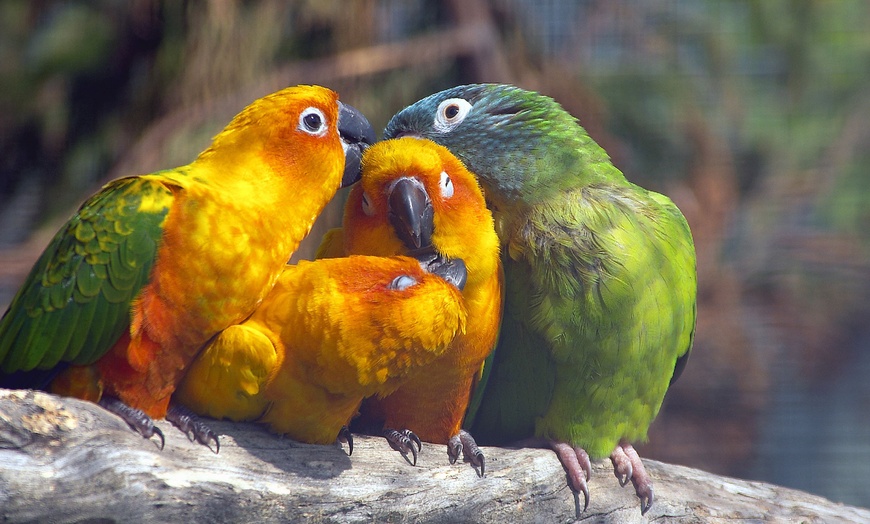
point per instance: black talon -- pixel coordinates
(472, 452)
(585, 492)
(159, 433)
(454, 448)
(135, 418)
(193, 427)
(344, 435)
(403, 442)
(413, 436)
(646, 503)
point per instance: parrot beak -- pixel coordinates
(413, 219)
(356, 135)
(452, 270)
(411, 213)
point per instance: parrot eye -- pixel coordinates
(312, 121)
(402, 282)
(450, 113)
(367, 207)
(446, 185)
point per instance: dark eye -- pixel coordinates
(451, 113)
(312, 121)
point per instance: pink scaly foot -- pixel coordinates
(628, 466)
(577, 466)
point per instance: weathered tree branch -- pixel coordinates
(65, 460)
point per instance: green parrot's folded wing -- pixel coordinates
(503, 410)
(76, 300)
(516, 407)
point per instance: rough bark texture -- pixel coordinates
(64, 460)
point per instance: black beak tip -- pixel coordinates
(357, 134)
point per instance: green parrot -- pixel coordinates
(600, 278)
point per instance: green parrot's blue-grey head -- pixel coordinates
(521, 145)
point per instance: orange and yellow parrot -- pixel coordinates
(153, 266)
(330, 333)
(416, 197)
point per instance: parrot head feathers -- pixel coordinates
(296, 127)
(519, 143)
(415, 195)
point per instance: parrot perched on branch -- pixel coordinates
(330, 333)
(600, 299)
(415, 197)
(153, 266)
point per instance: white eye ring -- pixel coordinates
(451, 113)
(312, 121)
(367, 207)
(446, 185)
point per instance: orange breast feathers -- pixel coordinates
(331, 333)
(433, 401)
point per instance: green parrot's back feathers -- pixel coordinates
(76, 300)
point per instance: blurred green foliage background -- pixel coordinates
(753, 115)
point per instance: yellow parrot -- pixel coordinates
(415, 197)
(330, 333)
(153, 266)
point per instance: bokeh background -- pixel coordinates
(753, 115)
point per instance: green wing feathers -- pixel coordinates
(76, 300)
(629, 317)
(604, 279)
(517, 386)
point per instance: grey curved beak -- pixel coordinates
(356, 135)
(411, 214)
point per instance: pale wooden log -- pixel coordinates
(65, 460)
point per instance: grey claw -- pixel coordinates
(344, 435)
(157, 431)
(195, 429)
(413, 436)
(135, 418)
(454, 448)
(403, 441)
(472, 452)
(646, 502)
